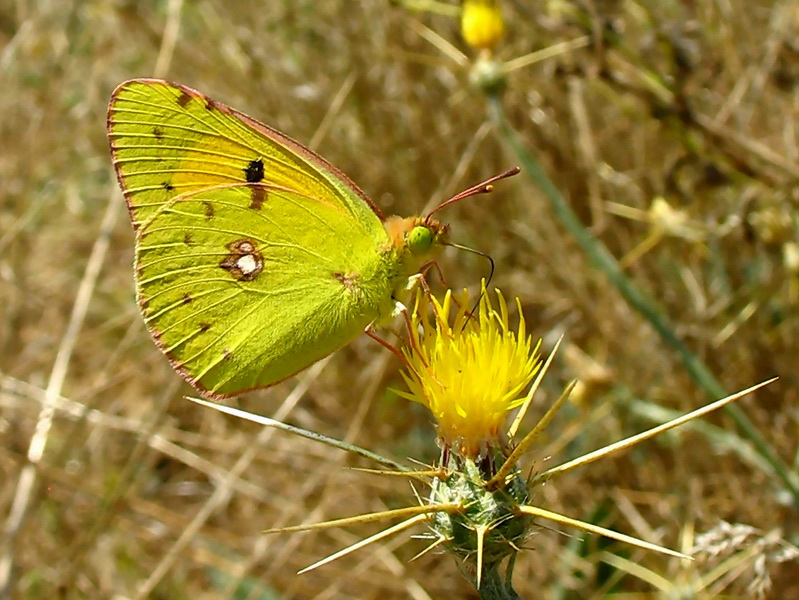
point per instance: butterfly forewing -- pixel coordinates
(167, 140)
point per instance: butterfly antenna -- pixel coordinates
(478, 253)
(484, 187)
(490, 260)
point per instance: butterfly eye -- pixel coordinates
(420, 239)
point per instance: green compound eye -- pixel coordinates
(420, 239)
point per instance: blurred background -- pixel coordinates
(669, 127)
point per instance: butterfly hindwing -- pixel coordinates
(255, 257)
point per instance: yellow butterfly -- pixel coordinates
(255, 257)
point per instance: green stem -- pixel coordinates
(606, 262)
(496, 586)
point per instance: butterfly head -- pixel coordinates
(420, 237)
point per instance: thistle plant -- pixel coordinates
(483, 27)
(472, 370)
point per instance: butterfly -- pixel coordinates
(255, 257)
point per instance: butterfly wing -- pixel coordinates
(168, 139)
(254, 256)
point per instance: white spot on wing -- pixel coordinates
(247, 264)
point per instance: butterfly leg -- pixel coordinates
(422, 281)
(434, 265)
(400, 308)
(414, 280)
(386, 344)
(413, 335)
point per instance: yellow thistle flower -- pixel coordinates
(469, 373)
(482, 25)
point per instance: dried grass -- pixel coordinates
(130, 468)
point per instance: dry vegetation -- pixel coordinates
(142, 494)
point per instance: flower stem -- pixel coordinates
(496, 585)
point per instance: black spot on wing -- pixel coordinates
(254, 171)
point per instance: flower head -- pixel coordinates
(482, 25)
(471, 372)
